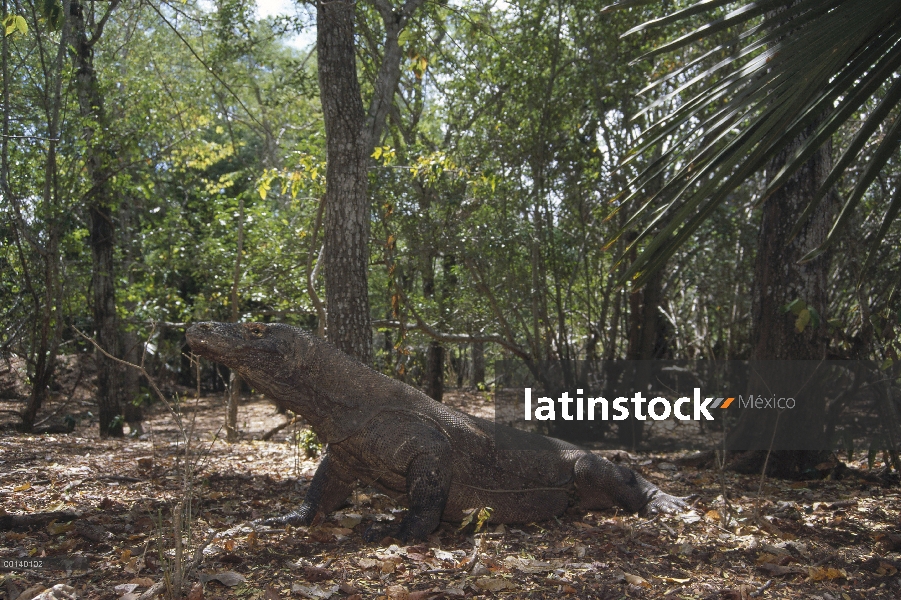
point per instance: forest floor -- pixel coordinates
(825, 539)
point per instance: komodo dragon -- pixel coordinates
(385, 433)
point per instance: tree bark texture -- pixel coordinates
(346, 196)
(646, 341)
(102, 239)
(350, 136)
(778, 280)
(434, 371)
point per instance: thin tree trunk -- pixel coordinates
(47, 334)
(234, 382)
(478, 364)
(350, 136)
(110, 375)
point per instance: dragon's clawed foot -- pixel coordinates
(663, 503)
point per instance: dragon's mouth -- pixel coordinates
(216, 341)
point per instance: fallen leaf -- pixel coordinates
(227, 578)
(387, 566)
(531, 566)
(766, 557)
(196, 592)
(636, 580)
(60, 591)
(270, 593)
(58, 528)
(397, 592)
(689, 517)
(314, 591)
(314, 574)
(323, 535)
(493, 584)
(821, 573)
(125, 588)
(368, 563)
(350, 520)
(886, 570)
(22, 488)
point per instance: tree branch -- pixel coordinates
(457, 338)
(389, 71)
(98, 30)
(312, 272)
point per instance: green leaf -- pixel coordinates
(802, 320)
(795, 306)
(484, 515)
(21, 25)
(264, 187)
(814, 317)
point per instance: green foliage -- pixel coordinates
(308, 443)
(480, 515)
(806, 65)
(501, 189)
(13, 23)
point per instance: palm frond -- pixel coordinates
(798, 65)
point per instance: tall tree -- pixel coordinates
(101, 206)
(42, 237)
(351, 135)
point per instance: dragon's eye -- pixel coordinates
(256, 330)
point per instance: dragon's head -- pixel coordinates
(264, 354)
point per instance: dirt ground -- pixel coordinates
(824, 540)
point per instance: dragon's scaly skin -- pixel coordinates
(385, 433)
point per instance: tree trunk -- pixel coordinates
(234, 381)
(346, 196)
(350, 136)
(48, 302)
(434, 371)
(779, 280)
(131, 384)
(110, 377)
(644, 344)
(478, 364)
